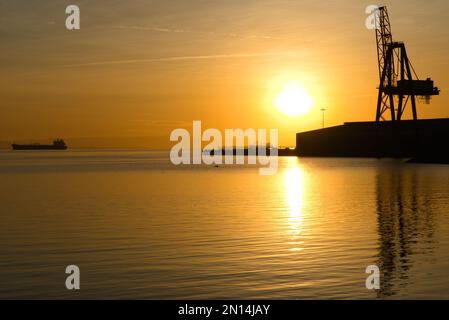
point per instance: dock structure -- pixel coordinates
(420, 139)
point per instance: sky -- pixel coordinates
(138, 69)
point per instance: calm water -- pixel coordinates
(139, 227)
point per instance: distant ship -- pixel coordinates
(58, 144)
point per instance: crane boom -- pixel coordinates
(383, 36)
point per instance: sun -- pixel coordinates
(293, 100)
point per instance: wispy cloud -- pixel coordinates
(181, 58)
(178, 30)
(143, 28)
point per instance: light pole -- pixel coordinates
(323, 111)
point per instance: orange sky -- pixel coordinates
(144, 68)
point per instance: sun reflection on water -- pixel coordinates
(294, 186)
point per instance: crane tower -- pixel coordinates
(399, 85)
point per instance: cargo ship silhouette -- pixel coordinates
(58, 144)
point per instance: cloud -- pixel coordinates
(172, 30)
(156, 29)
(181, 58)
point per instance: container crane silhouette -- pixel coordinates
(398, 80)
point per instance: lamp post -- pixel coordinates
(323, 111)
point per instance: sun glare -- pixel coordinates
(294, 100)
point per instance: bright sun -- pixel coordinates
(293, 100)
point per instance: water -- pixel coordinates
(139, 227)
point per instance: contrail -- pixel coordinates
(157, 29)
(213, 33)
(181, 58)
